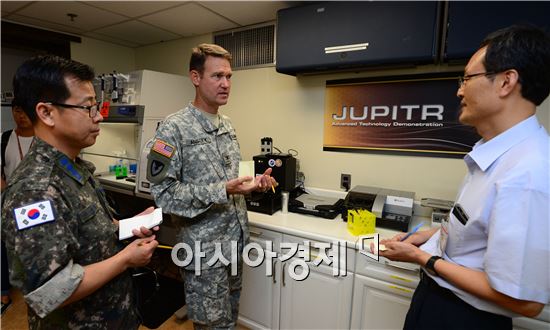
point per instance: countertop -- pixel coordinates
(317, 228)
(110, 180)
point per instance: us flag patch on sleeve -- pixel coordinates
(33, 214)
(163, 148)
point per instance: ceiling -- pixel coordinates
(140, 23)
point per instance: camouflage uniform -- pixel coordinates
(189, 183)
(46, 260)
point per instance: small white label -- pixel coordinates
(399, 201)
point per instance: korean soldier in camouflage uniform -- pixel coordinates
(62, 244)
(194, 166)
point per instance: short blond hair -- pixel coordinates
(199, 54)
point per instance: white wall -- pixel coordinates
(171, 56)
(103, 56)
(290, 110)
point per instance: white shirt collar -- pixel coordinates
(485, 153)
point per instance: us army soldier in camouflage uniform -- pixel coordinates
(194, 165)
(61, 240)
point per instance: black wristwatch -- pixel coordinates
(430, 265)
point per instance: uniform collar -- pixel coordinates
(79, 170)
(206, 124)
(484, 154)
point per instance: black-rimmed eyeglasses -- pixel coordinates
(92, 109)
(463, 79)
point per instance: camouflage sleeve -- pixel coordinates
(59, 288)
(40, 244)
(187, 191)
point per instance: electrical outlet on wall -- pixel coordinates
(345, 181)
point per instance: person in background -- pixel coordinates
(194, 166)
(15, 142)
(15, 145)
(59, 232)
(489, 261)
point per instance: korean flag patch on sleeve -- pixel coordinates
(34, 214)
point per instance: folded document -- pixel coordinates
(148, 221)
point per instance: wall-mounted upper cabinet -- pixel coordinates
(328, 36)
(469, 22)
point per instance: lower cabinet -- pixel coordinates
(372, 295)
(320, 301)
(259, 305)
(378, 304)
(382, 293)
(260, 296)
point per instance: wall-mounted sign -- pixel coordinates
(417, 115)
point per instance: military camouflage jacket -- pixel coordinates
(55, 220)
(192, 162)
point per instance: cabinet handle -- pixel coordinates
(313, 253)
(400, 289)
(389, 263)
(284, 265)
(400, 278)
(255, 233)
(273, 263)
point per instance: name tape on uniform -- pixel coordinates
(33, 214)
(163, 148)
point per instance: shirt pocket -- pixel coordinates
(94, 225)
(457, 232)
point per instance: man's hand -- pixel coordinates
(144, 232)
(415, 239)
(402, 251)
(246, 184)
(266, 182)
(139, 252)
(242, 185)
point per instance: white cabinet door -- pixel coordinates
(260, 295)
(378, 304)
(321, 301)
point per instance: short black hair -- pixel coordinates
(526, 49)
(42, 79)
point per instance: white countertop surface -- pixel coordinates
(110, 179)
(317, 228)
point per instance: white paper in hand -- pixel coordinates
(148, 221)
(246, 168)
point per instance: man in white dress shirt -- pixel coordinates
(489, 261)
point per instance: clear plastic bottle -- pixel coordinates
(121, 166)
